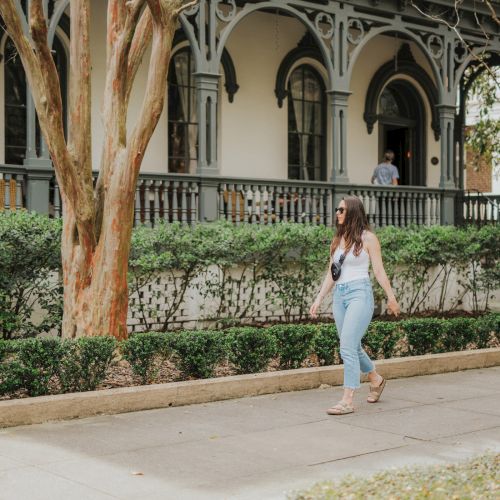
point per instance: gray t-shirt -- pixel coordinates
(384, 173)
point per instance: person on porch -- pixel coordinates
(386, 173)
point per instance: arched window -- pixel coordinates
(15, 100)
(182, 116)
(306, 125)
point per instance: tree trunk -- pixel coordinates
(97, 225)
(95, 283)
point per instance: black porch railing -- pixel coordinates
(188, 199)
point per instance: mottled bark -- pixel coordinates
(97, 223)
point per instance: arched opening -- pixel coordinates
(16, 101)
(401, 117)
(306, 125)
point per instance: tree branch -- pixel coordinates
(142, 39)
(454, 27)
(80, 131)
(492, 10)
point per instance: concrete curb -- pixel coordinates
(111, 401)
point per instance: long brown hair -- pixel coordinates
(355, 222)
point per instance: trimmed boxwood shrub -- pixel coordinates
(381, 339)
(49, 365)
(486, 326)
(199, 352)
(424, 336)
(145, 352)
(459, 333)
(294, 342)
(37, 362)
(326, 343)
(251, 349)
(85, 362)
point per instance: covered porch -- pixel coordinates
(189, 199)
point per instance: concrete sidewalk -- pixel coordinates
(254, 448)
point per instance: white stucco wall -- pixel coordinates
(253, 129)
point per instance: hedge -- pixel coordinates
(50, 366)
(226, 265)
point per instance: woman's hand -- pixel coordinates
(313, 311)
(393, 306)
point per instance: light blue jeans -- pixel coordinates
(352, 311)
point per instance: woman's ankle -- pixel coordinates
(375, 378)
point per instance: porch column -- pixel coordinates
(38, 169)
(207, 91)
(338, 113)
(447, 122)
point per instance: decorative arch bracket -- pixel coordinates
(403, 64)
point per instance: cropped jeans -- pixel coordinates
(352, 311)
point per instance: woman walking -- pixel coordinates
(353, 247)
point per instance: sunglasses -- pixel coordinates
(340, 210)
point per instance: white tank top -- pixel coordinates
(353, 268)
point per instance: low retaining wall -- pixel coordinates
(122, 400)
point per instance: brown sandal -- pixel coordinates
(341, 408)
(376, 392)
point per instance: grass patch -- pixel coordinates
(478, 478)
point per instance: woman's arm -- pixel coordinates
(325, 289)
(373, 247)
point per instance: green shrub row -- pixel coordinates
(228, 264)
(47, 365)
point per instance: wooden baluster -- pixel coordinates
(237, 204)
(147, 202)
(137, 211)
(285, 193)
(383, 209)
(395, 201)
(329, 205)
(156, 203)
(18, 195)
(402, 205)
(279, 208)
(308, 207)
(390, 221)
(420, 209)
(261, 205)
(175, 202)
(300, 210)
(7, 178)
(184, 188)
(321, 200)
(427, 209)
(57, 200)
(289, 199)
(413, 208)
(408, 209)
(194, 202)
(437, 208)
(372, 203)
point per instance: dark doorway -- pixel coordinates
(402, 129)
(399, 140)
